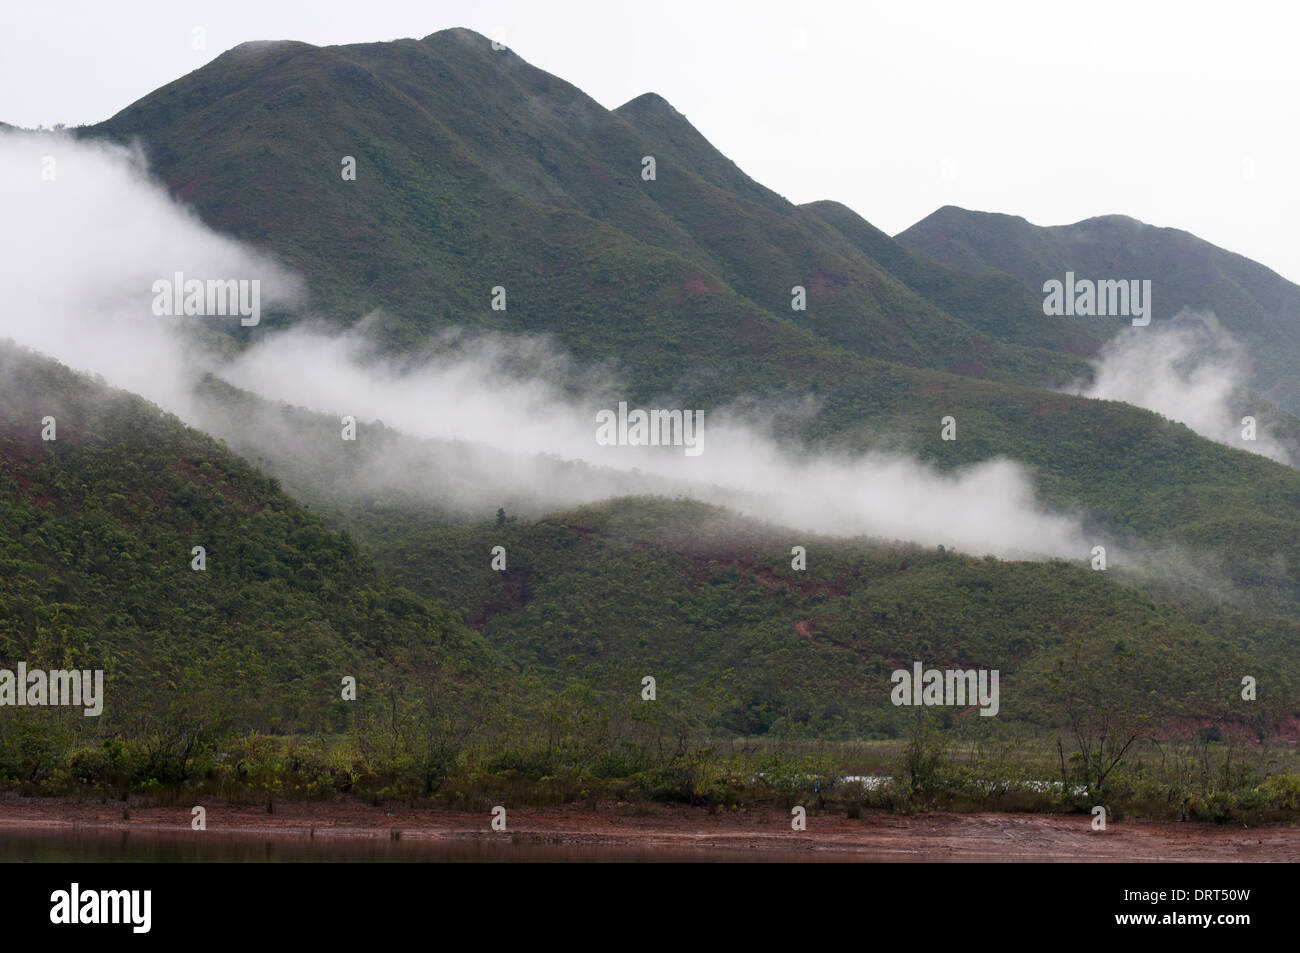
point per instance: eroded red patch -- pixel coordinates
(697, 285)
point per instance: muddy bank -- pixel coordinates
(956, 837)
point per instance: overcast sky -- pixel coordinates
(1179, 114)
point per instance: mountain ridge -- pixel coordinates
(1256, 304)
(512, 136)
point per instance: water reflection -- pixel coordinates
(194, 846)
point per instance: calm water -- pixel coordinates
(193, 846)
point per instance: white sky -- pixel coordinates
(1179, 114)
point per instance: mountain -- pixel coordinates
(477, 170)
(994, 303)
(1258, 306)
(99, 524)
(1145, 484)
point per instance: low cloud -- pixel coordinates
(511, 417)
(1191, 370)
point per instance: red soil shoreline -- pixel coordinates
(986, 836)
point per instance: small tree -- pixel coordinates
(1101, 714)
(924, 757)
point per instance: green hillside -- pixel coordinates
(97, 529)
(226, 681)
(992, 302)
(1150, 489)
(691, 594)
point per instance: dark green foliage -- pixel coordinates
(96, 533)
(701, 599)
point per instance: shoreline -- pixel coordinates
(984, 836)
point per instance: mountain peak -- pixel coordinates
(262, 47)
(649, 104)
(459, 33)
(951, 212)
(1111, 221)
(466, 38)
